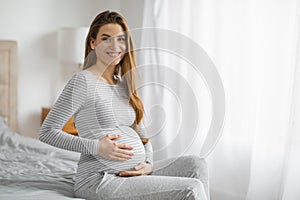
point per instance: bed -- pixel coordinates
(29, 169)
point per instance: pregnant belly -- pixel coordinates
(130, 137)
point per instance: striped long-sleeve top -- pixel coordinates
(99, 109)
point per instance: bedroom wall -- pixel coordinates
(34, 24)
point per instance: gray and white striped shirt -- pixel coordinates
(98, 109)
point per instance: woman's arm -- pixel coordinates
(70, 101)
(149, 153)
(141, 130)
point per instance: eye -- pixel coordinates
(122, 38)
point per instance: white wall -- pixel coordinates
(34, 24)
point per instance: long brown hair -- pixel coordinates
(128, 63)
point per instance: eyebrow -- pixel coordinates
(104, 34)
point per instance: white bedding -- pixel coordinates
(30, 169)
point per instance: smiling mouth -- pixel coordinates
(114, 54)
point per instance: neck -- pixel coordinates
(105, 72)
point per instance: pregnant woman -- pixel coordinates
(116, 157)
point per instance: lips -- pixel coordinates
(113, 54)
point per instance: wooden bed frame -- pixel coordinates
(8, 83)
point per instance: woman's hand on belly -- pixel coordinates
(142, 169)
(112, 150)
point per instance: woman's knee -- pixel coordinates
(197, 164)
(196, 161)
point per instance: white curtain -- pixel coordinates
(254, 46)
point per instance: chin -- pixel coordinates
(114, 62)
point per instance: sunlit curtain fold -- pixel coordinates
(255, 48)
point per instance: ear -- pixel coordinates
(92, 43)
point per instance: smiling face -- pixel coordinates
(110, 44)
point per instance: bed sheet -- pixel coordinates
(30, 169)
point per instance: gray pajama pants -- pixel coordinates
(185, 177)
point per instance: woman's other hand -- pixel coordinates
(112, 150)
(142, 169)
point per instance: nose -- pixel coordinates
(114, 43)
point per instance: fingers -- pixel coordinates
(121, 146)
(130, 173)
(121, 155)
(125, 152)
(124, 146)
(139, 167)
(113, 150)
(113, 137)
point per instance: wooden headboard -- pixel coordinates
(8, 83)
